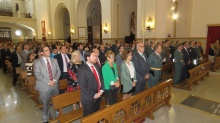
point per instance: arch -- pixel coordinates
(60, 12)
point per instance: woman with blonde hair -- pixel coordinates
(73, 66)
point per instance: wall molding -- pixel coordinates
(210, 25)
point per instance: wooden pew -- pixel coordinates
(135, 108)
(69, 98)
(9, 66)
(217, 63)
(62, 86)
(167, 71)
(18, 71)
(23, 81)
(198, 73)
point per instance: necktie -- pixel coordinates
(96, 77)
(49, 70)
(66, 61)
(143, 57)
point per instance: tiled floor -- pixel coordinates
(20, 108)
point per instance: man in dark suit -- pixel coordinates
(16, 60)
(193, 55)
(186, 59)
(102, 55)
(172, 50)
(5, 52)
(63, 59)
(91, 83)
(47, 72)
(141, 67)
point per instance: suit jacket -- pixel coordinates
(102, 57)
(186, 56)
(24, 58)
(192, 53)
(88, 83)
(42, 74)
(60, 60)
(5, 53)
(141, 66)
(211, 52)
(14, 59)
(172, 50)
(108, 75)
(126, 77)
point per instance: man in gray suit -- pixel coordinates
(47, 72)
(24, 54)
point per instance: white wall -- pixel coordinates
(13, 29)
(126, 7)
(204, 12)
(29, 6)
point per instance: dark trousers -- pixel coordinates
(91, 106)
(15, 76)
(185, 73)
(4, 66)
(140, 86)
(64, 75)
(0, 63)
(111, 97)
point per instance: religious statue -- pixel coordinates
(17, 7)
(132, 24)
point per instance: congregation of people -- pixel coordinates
(97, 69)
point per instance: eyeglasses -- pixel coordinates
(141, 46)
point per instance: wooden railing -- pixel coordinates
(217, 63)
(135, 108)
(198, 73)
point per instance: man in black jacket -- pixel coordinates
(5, 52)
(186, 58)
(63, 59)
(91, 83)
(16, 60)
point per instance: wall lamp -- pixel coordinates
(149, 24)
(72, 31)
(49, 33)
(106, 28)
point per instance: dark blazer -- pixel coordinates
(172, 50)
(186, 56)
(211, 52)
(5, 53)
(102, 57)
(192, 53)
(60, 60)
(141, 66)
(88, 83)
(14, 59)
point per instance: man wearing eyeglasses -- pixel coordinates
(47, 73)
(142, 68)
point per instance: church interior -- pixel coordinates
(96, 22)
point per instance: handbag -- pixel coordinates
(69, 88)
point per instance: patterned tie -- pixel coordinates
(49, 70)
(96, 77)
(66, 60)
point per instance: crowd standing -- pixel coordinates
(101, 68)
